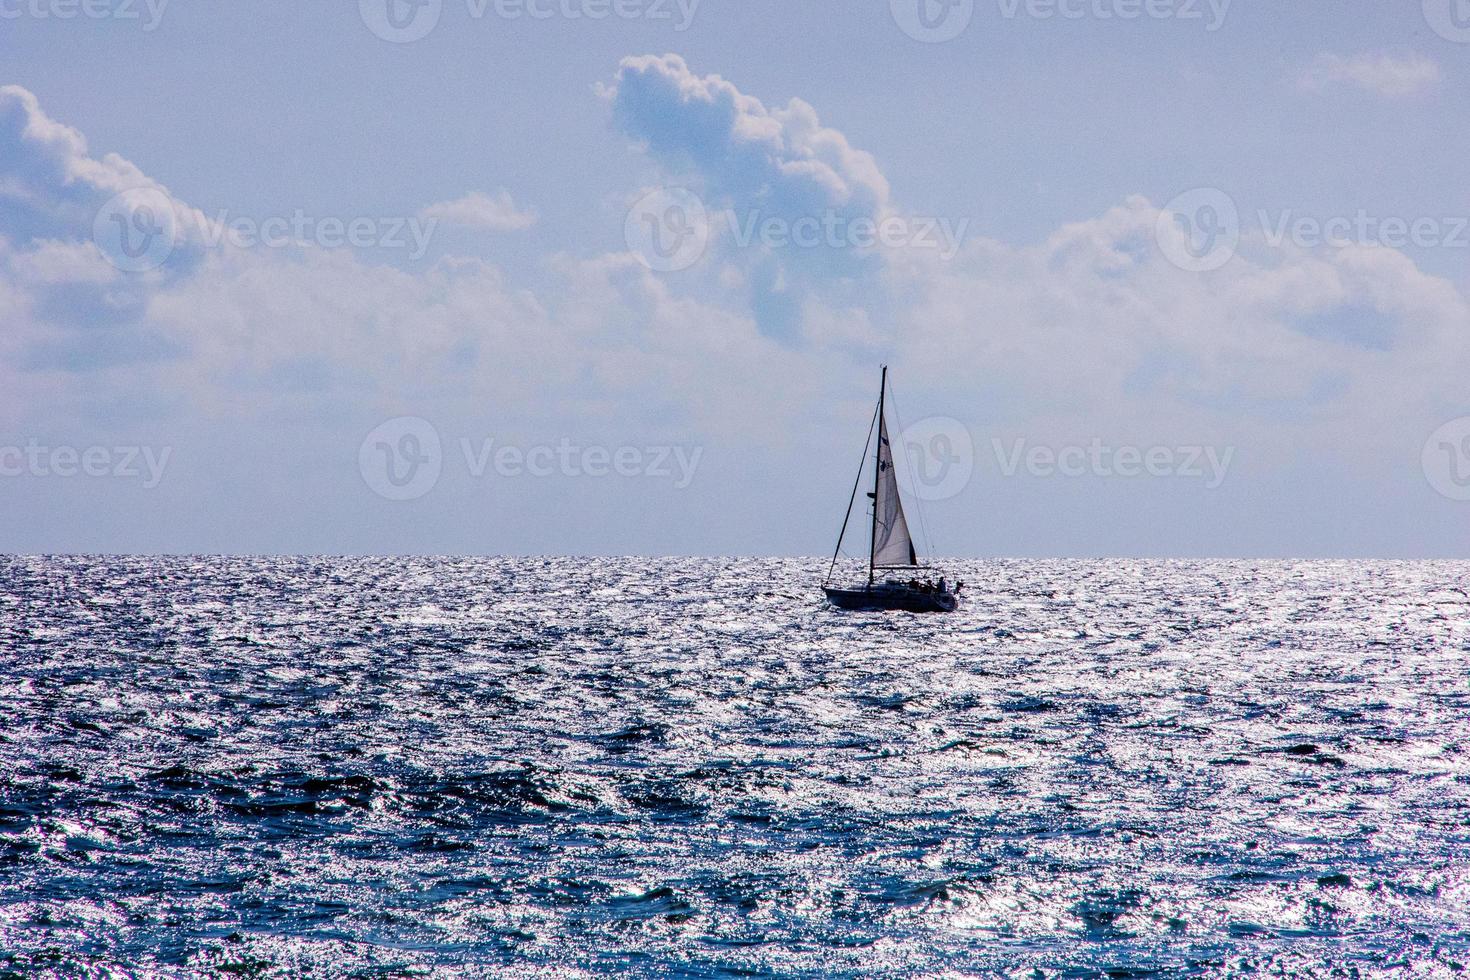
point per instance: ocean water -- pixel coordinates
(564, 768)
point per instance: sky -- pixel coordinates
(1152, 277)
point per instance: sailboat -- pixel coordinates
(890, 546)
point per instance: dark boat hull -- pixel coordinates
(881, 598)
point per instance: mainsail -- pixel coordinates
(891, 542)
(891, 546)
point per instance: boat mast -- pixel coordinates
(877, 474)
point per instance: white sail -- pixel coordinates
(891, 542)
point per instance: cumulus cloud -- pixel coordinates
(1096, 321)
(1093, 319)
(752, 164)
(744, 152)
(481, 211)
(223, 332)
(52, 188)
(1090, 329)
(1390, 76)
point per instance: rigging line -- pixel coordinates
(908, 468)
(848, 516)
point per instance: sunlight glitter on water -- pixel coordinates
(442, 767)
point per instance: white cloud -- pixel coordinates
(228, 333)
(1092, 328)
(481, 211)
(53, 262)
(746, 152)
(1383, 74)
(1345, 352)
(751, 163)
(51, 186)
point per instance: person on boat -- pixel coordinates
(941, 584)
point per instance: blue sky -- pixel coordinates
(1052, 288)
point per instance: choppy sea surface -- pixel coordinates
(563, 768)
